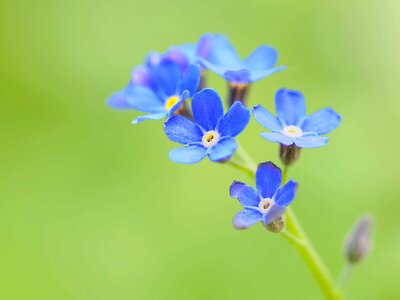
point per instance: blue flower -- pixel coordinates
(212, 133)
(292, 125)
(218, 55)
(266, 204)
(158, 88)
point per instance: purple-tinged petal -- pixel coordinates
(143, 99)
(155, 116)
(223, 150)
(246, 218)
(188, 50)
(290, 106)
(188, 155)
(181, 130)
(322, 122)
(246, 195)
(140, 76)
(268, 179)
(207, 109)
(286, 194)
(234, 121)
(238, 76)
(273, 214)
(119, 101)
(311, 141)
(263, 58)
(277, 137)
(265, 118)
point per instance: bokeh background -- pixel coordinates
(92, 208)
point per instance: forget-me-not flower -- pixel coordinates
(219, 56)
(212, 133)
(268, 202)
(292, 125)
(159, 89)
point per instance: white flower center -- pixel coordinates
(292, 131)
(265, 205)
(210, 138)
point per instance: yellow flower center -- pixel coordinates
(265, 205)
(292, 131)
(171, 101)
(210, 138)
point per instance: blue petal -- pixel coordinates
(182, 130)
(263, 58)
(234, 121)
(246, 218)
(286, 194)
(257, 75)
(290, 106)
(246, 195)
(143, 99)
(178, 104)
(265, 118)
(189, 50)
(119, 101)
(311, 141)
(167, 76)
(188, 155)
(322, 122)
(223, 150)
(217, 51)
(191, 79)
(207, 108)
(155, 116)
(238, 76)
(140, 76)
(277, 137)
(175, 55)
(268, 179)
(273, 214)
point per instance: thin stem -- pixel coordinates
(241, 167)
(345, 276)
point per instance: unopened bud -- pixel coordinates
(359, 241)
(289, 154)
(238, 92)
(277, 225)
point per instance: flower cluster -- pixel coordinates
(172, 86)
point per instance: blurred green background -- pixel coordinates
(92, 208)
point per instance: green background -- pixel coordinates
(92, 208)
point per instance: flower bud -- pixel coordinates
(289, 154)
(238, 92)
(359, 241)
(277, 225)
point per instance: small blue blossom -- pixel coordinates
(219, 56)
(292, 125)
(266, 204)
(158, 88)
(211, 134)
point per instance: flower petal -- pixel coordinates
(238, 76)
(277, 137)
(234, 121)
(290, 106)
(265, 118)
(268, 179)
(188, 155)
(178, 104)
(246, 218)
(257, 75)
(191, 79)
(223, 150)
(143, 99)
(181, 130)
(140, 76)
(167, 76)
(246, 195)
(155, 116)
(286, 194)
(207, 108)
(263, 58)
(311, 141)
(322, 122)
(273, 214)
(216, 50)
(119, 101)
(188, 50)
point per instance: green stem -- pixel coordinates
(345, 277)
(295, 234)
